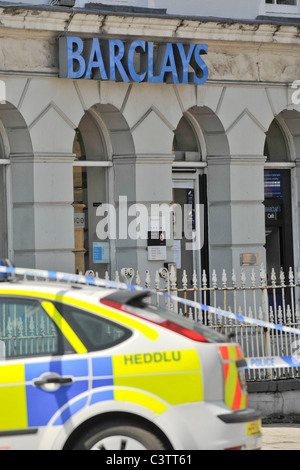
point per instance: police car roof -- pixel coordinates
(27, 284)
(56, 281)
(121, 296)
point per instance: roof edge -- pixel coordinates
(107, 10)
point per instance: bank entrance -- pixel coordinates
(278, 202)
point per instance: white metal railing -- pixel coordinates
(274, 302)
(25, 330)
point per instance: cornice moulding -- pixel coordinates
(75, 21)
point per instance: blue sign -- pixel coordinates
(101, 252)
(135, 61)
(273, 184)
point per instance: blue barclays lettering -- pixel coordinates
(75, 62)
(95, 60)
(135, 61)
(135, 47)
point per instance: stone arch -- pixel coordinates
(285, 128)
(102, 136)
(277, 142)
(208, 132)
(200, 137)
(188, 143)
(15, 146)
(14, 132)
(212, 129)
(282, 152)
(104, 127)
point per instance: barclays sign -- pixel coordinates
(132, 61)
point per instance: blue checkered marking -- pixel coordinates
(42, 405)
(70, 411)
(102, 372)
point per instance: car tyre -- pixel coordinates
(114, 436)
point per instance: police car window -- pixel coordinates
(26, 330)
(94, 331)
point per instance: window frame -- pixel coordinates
(279, 8)
(5, 164)
(107, 166)
(63, 346)
(63, 310)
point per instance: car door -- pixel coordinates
(40, 368)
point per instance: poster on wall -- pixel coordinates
(101, 252)
(273, 184)
(157, 249)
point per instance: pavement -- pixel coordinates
(281, 436)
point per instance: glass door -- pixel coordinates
(186, 233)
(278, 219)
(278, 227)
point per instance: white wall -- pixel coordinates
(217, 8)
(29, 2)
(243, 9)
(239, 9)
(233, 9)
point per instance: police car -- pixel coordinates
(99, 368)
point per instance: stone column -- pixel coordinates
(236, 213)
(146, 180)
(43, 220)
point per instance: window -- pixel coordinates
(282, 2)
(94, 331)
(276, 146)
(90, 191)
(26, 330)
(185, 145)
(278, 197)
(282, 7)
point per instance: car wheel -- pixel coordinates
(112, 436)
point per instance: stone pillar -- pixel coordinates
(236, 213)
(144, 179)
(43, 217)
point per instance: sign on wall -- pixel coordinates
(157, 249)
(132, 61)
(273, 184)
(79, 220)
(101, 252)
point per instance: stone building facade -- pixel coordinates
(71, 145)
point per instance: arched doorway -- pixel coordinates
(188, 193)
(198, 137)
(278, 196)
(200, 146)
(16, 229)
(102, 134)
(90, 179)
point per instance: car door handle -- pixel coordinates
(55, 379)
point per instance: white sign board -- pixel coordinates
(79, 220)
(157, 253)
